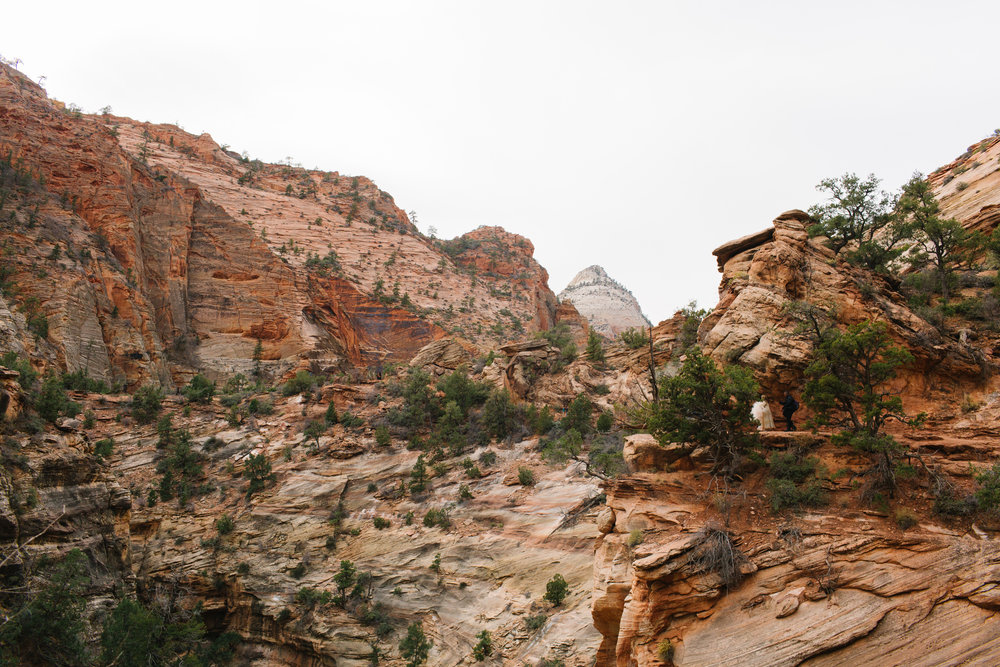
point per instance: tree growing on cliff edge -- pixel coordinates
(703, 406)
(858, 219)
(849, 385)
(943, 243)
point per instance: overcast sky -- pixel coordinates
(635, 135)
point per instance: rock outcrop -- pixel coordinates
(765, 273)
(837, 588)
(607, 305)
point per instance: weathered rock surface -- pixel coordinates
(608, 306)
(751, 324)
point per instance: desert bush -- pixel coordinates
(717, 554)
(103, 448)
(484, 647)
(905, 518)
(556, 590)
(634, 338)
(302, 382)
(415, 647)
(525, 476)
(146, 403)
(225, 524)
(199, 390)
(258, 471)
(437, 517)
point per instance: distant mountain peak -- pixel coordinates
(607, 304)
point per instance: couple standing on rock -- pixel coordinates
(765, 420)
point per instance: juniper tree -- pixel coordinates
(849, 385)
(944, 243)
(705, 406)
(859, 218)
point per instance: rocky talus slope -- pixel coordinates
(608, 306)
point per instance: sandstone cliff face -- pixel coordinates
(502, 547)
(484, 286)
(824, 588)
(607, 305)
(154, 253)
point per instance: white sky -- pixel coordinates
(635, 135)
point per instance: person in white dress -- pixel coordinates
(762, 413)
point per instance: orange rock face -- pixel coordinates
(165, 254)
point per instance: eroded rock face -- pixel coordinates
(827, 589)
(751, 325)
(608, 306)
(164, 255)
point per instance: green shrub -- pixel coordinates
(464, 493)
(595, 349)
(382, 437)
(330, 416)
(314, 429)
(437, 517)
(351, 421)
(311, 597)
(705, 406)
(556, 590)
(905, 518)
(786, 494)
(199, 390)
(260, 406)
(302, 382)
(26, 374)
(418, 476)
(604, 422)
(46, 625)
(381, 523)
(525, 476)
(540, 421)
(634, 338)
(578, 415)
(635, 538)
(415, 647)
(665, 651)
(988, 493)
(146, 403)
(484, 647)
(298, 571)
(258, 471)
(225, 524)
(52, 401)
(535, 622)
(500, 415)
(563, 448)
(103, 448)
(81, 381)
(180, 470)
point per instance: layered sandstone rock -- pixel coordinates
(822, 587)
(608, 306)
(766, 273)
(164, 254)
